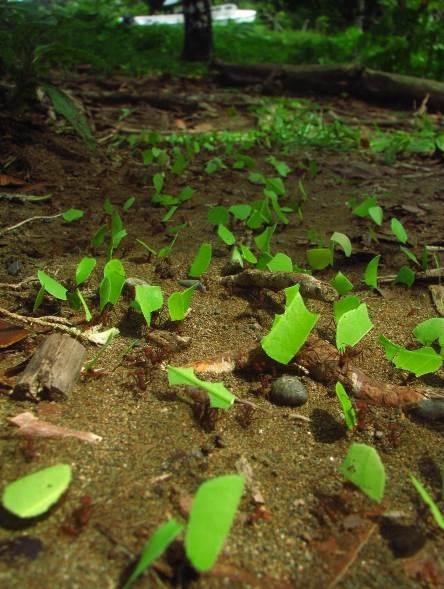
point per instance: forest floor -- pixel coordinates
(299, 524)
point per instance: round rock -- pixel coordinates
(288, 390)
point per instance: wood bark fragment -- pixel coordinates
(53, 369)
(309, 285)
(30, 425)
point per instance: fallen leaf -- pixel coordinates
(10, 334)
(29, 425)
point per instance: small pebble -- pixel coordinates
(429, 409)
(288, 390)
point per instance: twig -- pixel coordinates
(36, 218)
(19, 285)
(352, 557)
(51, 322)
(310, 286)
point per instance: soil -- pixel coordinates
(299, 524)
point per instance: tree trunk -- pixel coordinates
(198, 42)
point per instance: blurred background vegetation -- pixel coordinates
(403, 36)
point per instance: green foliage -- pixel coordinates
(352, 326)
(52, 286)
(148, 299)
(350, 416)
(319, 257)
(220, 397)
(112, 283)
(212, 513)
(35, 493)
(420, 361)
(201, 260)
(341, 283)
(429, 331)
(179, 303)
(84, 269)
(428, 500)
(283, 341)
(363, 467)
(371, 272)
(154, 547)
(72, 215)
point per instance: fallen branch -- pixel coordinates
(29, 425)
(50, 322)
(28, 220)
(309, 286)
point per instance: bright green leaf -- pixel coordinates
(201, 260)
(428, 500)
(240, 212)
(352, 326)
(154, 547)
(289, 330)
(179, 303)
(362, 209)
(263, 239)
(363, 467)
(405, 276)
(345, 304)
(149, 298)
(341, 283)
(129, 203)
(422, 361)
(226, 235)
(220, 397)
(219, 215)
(410, 255)
(212, 513)
(247, 254)
(35, 493)
(52, 286)
(377, 214)
(342, 240)
(430, 330)
(398, 230)
(84, 269)
(319, 257)
(371, 272)
(350, 416)
(280, 263)
(72, 215)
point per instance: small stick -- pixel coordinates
(432, 274)
(52, 322)
(19, 285)
(36, 218)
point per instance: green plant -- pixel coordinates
(283, 341)
(352, 321)
(350, 416)
(220, 397)
(111, 285)
(179, 303)
(428, 500)
(201, 260)
(363, 467)
(148, 299)
(33, 494)
(420, 361)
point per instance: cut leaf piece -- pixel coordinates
(342, 240)
(226, 235)
(352, 326)
(363, 467)
(280, 263)
(52, 286)
(428, 500)
(211, 517)
(405, 276)
(179, 303)
(154, 547)
(289, 330)
(72, 215)
(319, 257)
(377, 214)
(398, 230)
(371, 272)
(420, 362)
(350, 416)
(220, 396)
(149, 298)
(430, 330)
(346, 304)
(341, 283)
(34, 494)
(84, 269)
(201, 261)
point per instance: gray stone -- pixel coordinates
(288, 390)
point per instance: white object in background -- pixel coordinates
(221, 14)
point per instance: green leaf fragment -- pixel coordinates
(319, 257)
(398, 230)
(428, 500)
(289, 330)
(422, 361)
(363, 467)
(84, 269)
(280, 263)
(35, 493)
(352, 326)
(350, 416)
(179, 303)
(201, 261)
(72, 215)
(376, 214)
(220, 397)
(154, 547)
(405, 276)
(149, 298)
(341, 283)
(212, 513)
(52, 286)
(371, 272)
(219, 215)
(342, 240)
(226, 235)
(430, 330)
(345, 304)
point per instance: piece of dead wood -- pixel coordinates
(53, 369)
(32, 426)
(275, 281)
(323, 363)
(437, 294)
(423, 276)
(336, 79)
